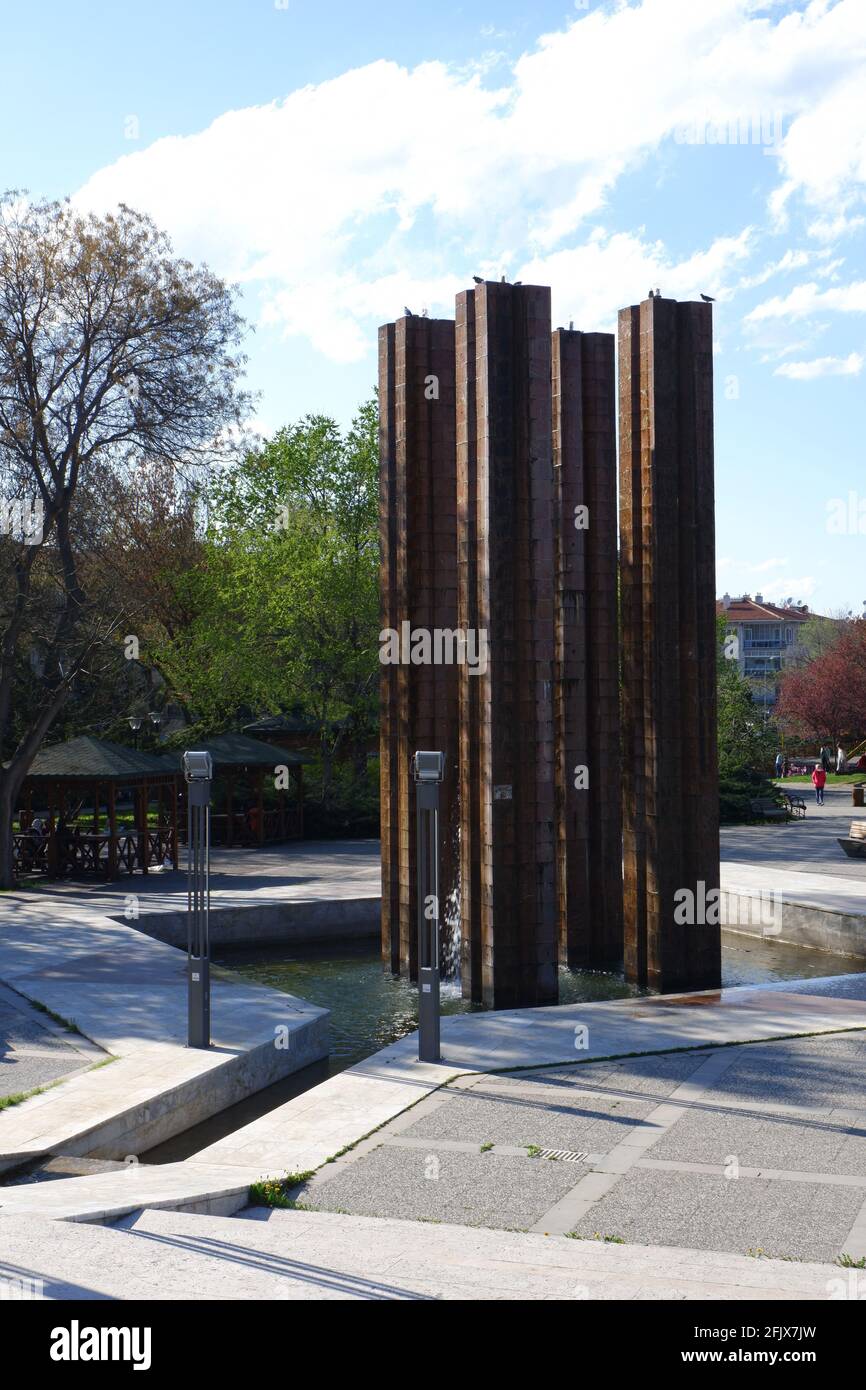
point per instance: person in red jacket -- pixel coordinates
(819, 780)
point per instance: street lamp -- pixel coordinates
(428, 770)
(134, 723)
(198, 773)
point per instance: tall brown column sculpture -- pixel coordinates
(506, 581)
(469, 787)
(588, 791)
(667, 536)
(418, 583)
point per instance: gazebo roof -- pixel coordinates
(89, 759)
(238, 750)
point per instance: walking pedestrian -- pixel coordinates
(819, 781)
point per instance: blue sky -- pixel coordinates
(339, 161)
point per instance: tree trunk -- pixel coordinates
(8, 792)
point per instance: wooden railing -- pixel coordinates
(88, 853)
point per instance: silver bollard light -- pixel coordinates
(428, 770)
(198, 772)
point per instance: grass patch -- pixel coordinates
(850, 1262)
(847, 779)
(6, 1102)
(597, 1235)
(68, 1025)
(759, 1253)
(274, 1192)
(486, 1146)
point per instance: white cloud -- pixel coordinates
(807, 299)
(592, 281)
(822, 366)
(347, 199)
(832, 228)
(792, 260)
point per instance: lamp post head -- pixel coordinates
(428, 767)
(134, 722)
(198, 767)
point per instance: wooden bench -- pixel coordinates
(855, 845)
(795, 804)
(763, 806)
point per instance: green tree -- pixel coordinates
(747, 739)
(286, 597)
(113, 353)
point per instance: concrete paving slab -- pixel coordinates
(36, 1051)
(569, 1122)
(791, 1142)
(818, 1073)
(784, 1220)
(654, 1077)
(443, 1185)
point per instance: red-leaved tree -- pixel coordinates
(826, 699)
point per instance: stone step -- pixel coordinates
(102, 1198)
(331, 1255)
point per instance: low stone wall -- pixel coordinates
(273, 923)
(794, 924)
(178, 1108)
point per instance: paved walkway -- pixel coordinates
(744, 1150)
(800, 861)
(298, 872)
(805, 845)
(310, 1129)
(35, 1051)
(127, 993)
(650, 1142)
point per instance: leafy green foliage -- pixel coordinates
(748, 741)
(284, 604)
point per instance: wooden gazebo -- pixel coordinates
(250, 817)
(90, 775)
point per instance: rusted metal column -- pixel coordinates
(589, 822)
(418, 584)
(505, 544)
(469, 791)
(670, 792)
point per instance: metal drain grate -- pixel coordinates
(564, 1155)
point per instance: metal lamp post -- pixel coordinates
(198, 773)
(428, 770)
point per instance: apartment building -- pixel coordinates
(767, 638)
